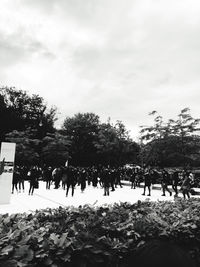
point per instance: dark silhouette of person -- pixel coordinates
(105, 179)
(175, 181)
(165, 182)
(33, 179)
(71, 181)
(15, 180)
(47, 176)
(186, 185)
(83, 177)
(147, 182)
(132, 175)
(57, 177)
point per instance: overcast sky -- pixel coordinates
(117, 58)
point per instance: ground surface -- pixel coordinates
(53, 198)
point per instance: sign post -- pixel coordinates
(7, 157)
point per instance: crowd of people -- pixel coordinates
(105, 177)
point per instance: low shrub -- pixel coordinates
(97, 236)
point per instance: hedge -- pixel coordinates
(97, 236)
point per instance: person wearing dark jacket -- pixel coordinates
(57, 177)
(112, 179)
(132, 175)
(70, 180)
(15, 179)
(47, 176)
(105, 179)
(118, 178)
(34, 175)
(83, 176)
(165, 182)
(22, 177)
(175, 180)
(186, 185)
(147, 182)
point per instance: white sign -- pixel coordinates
(7, 157)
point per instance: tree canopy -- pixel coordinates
(84, 140)
(19, 111)
(94, 142)
(171, 143)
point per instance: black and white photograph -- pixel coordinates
(99, 133)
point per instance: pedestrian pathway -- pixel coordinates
(53, 198)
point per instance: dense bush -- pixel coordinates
(103, 236)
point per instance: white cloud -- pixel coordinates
(119, 59)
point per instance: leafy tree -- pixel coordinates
(26, 146)
(82, 128)
(55, 149)
(20, 111)
(93, 142)
(184, 128)
(171, 143)
(114, 146)
(153, 136)
(106, 144)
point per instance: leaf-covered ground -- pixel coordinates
(103, 236)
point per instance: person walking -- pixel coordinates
(64, 177)
(22, 177)
(57, 177)
(105, 178)
(165, 182)
(186, 185)
(47, 176)
(33, 175)
(118, 178)
(132, 175)
(15, 179)
(71, 181)
(147, 182)
(112, 178)
(175, 181)
(83, 176)
(94, 177)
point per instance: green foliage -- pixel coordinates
(103, 236)
(98, 143)
(55, 149)
(171, 143)
(114, 145)
(26, 120)
(82, 129)
(19, 111)
(27, 144)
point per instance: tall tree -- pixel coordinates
(20, 111)
(55, 149)
(114, 146)
(185, 128)
(82, 128)
(171, 143)
(27, 152)
(153, 135)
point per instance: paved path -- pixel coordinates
(53, 198)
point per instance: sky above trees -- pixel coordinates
(118, 59)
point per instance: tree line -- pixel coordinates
(84, 140)
(172, 143)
